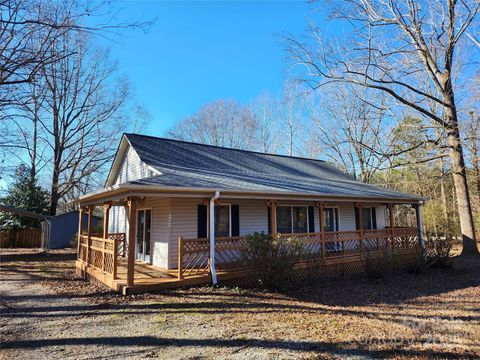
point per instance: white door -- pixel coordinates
(144, 222)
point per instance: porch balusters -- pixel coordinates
(89, 231)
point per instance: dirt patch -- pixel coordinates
(48, 313)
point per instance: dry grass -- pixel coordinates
(431, 315)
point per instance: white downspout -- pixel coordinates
(212, 237)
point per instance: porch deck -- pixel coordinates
(149, 278)
(347, 249)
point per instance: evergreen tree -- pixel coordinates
(25, 194)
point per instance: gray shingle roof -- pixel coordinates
(191, 165)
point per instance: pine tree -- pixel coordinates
(25, 194)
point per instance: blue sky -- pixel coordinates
(200, 51)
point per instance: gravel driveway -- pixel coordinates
(47, 313)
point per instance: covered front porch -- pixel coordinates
(111, 258)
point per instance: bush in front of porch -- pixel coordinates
(271, 258)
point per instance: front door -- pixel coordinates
(144, 221)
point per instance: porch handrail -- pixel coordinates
(100, 253)
(193, 254)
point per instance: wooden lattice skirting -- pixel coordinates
(345, 268)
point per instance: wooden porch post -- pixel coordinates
(80, 228)
(392, 220)
(180, 258)
(360, 224)
(392, 225)
(132, 220)
(106, 218)
(418, 214)
(320, 205)
(106, 213)
(272, 204)
(89, 230)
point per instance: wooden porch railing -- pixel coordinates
(193, 254)
(102, 254)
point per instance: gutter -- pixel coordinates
(124, 188)
(212, 237)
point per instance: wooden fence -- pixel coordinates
(338, 246)
(24, 238)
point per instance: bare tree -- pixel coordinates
(29, 29)
(474, 148)
(351, 130)
(392, 42)
(266, 110)
(82, 114)
(292, 108)
(219, 123)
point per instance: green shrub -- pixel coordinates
(271, 259)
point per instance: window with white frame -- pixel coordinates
(292, 219)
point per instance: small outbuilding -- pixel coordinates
(57, 232)
(63, 229)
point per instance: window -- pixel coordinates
(292, 219)
(222, 220)
(330, 219)
(300, 222)
(368, 219)
(284, 220)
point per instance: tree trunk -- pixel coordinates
(464, 205)
(54, 193)
(33, 166)
(475, 158)
(443, 192)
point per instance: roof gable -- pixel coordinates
(127, 165)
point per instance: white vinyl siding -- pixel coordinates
(253, 216)
(118, 220)
(184, 224)
(380, 215)
(132, 168)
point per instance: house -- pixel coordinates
(176, 213)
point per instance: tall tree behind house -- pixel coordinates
(388, 46)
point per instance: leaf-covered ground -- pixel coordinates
(47, 313)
